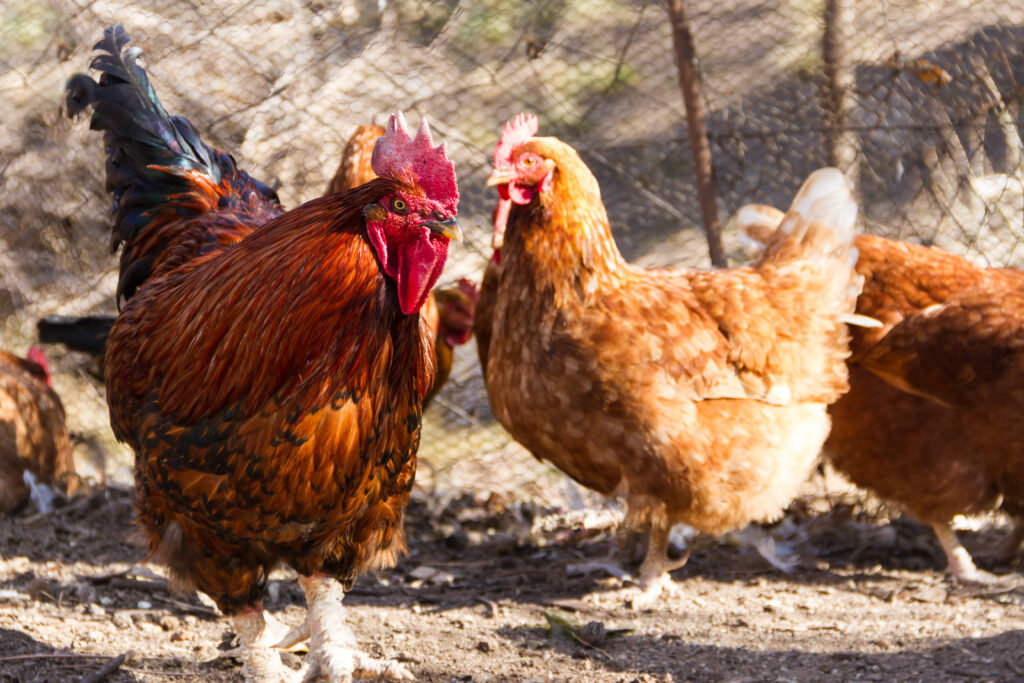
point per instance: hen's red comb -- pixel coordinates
(397, 153)
(518, 130)
(36, 355)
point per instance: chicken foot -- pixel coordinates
(654, 572)
(961, 566)
(331, 654)
(260, 661)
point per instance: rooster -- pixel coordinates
(448, 312)
(269, 374)
(35, 448)
(934, 419)
(697, 397)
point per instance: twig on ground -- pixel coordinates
(105, 671)
(50, 655)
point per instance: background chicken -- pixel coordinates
(934, 419)
(268, 375)
(698, 397)
(33, 435)
(448, 312)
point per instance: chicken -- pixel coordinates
(448, 312)
(934, 419)
(354, 169)
(268, 374)
(35, 449)
(697, 397)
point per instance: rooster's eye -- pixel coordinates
(399, 205)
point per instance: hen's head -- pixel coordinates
(411, 227)
(456, 307)
(517, 179)
(36, 355)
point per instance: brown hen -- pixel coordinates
(697, 397)
(34, 438)
(934, 419)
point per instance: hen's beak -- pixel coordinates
(448, 228)
(500, 177)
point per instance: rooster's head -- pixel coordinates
(411, 227)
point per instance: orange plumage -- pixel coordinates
(33, 434)
(933, 417)
(268, 367)
(698, 397)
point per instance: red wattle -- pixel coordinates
(500, 222)
(420, 263)
(519, 194)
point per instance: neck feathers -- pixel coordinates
(563, 236)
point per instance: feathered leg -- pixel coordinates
(654, 577)
(260, 662)
(331, 653)
(961, 565)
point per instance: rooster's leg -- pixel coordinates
(654, 577)
(331, 653)
(1011, 545)
(260, 662)
(961, 565)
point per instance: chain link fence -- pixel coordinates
(924, 114)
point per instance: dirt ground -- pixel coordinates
(494, 591)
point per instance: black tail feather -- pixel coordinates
(87, 333)
(159, 171)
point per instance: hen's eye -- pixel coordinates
(528, 161)
(398, 204)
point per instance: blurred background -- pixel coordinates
(919, 101)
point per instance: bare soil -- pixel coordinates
(867, 601)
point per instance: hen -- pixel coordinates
(697, 397)
(268, 374)
(448, 312)
(934, 419)
(35, 448)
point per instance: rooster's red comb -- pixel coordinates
(397, 154)
(518, 130)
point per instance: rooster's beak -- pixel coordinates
(500, 177)
(448, 228)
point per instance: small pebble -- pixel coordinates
(169, 622)
(122, 620)
(182, 635)
(483, 646)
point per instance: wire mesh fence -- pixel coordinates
(918, 100)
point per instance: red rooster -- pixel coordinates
(698, 397)
(268, 374)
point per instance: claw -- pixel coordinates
(260, 662)
(294, 639)
(331, 655)
(961, 566)
(654, 572)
